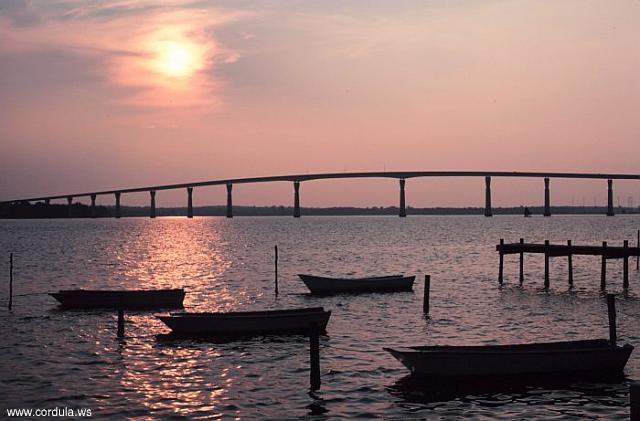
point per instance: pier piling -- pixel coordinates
(276, 268)
(638, 255)
(610, 198)
(611, 312)
(117, 194)
(427, 293)
(603, 272)
(69, 206)
(314, 357)
(10, 280)
(547, 198)
(402, 211)
(229, 201)
(570, 264)
(546, 264)
(501, 268)
(625, 266)
(521, 277)
(634, 400)
(487, 197)
(93, 205)
(296, 199)
(152, 207)
(189, 202)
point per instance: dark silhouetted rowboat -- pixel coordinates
(247, 323)
(324, 285)
(128, 299)
(587, 357)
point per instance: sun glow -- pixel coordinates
(177, 58)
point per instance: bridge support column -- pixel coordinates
(610, 198)
(402, 211)
(296, 199)
(152, 209)
(117, 204)
(69, 206)
(229, 201)
(487, 197)
(93, 205)
(547, 198)
(189, 202)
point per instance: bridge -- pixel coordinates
(296, 179)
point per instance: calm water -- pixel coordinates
(53, 358)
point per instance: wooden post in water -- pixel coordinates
(425, 298)
(501, 269)
(276, 267)
(570, 264)
(121, 318)
(10, 280)
(634, 400)
(546, 264)
(603, 274)
(625, 266)
(611, 311)
(314, 357)
(521, 263)
(638, 256)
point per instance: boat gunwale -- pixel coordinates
(247, 314)
(110, 291)
(370, 278)
(589, 345)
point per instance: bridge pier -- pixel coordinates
(152, 209)
(93, 205)
(547, 198)
(189, 202)
(296, 199)
(402, 211)
(69, 206)
(610, 198)
(229, 201)
(487, 197)
(117, 204)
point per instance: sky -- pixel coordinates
(114, 94)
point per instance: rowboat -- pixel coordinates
(127, 299)
(247, 323)
(591, 357)
(325, 285)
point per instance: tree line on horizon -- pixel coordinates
(26, 210)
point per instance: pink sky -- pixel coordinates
(97, 96)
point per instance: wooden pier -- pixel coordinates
(568, 250)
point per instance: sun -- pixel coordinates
(178, 59)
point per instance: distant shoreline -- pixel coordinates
(79, 210)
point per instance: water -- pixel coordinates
(52, 358)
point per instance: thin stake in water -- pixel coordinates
(276, 267)
(10, 280)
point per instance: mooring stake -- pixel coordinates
(120, 318)
(625, 266)
(603, 272)
(611, 312)
(521, 262)
(570, 263)
(314, 357)
(10, 280)
(501, 268)
(425, 298)
(546, 264)
(276, 267)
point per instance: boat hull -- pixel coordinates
(324, 285)
(575, 357)
(130, 300)
(297, 321)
